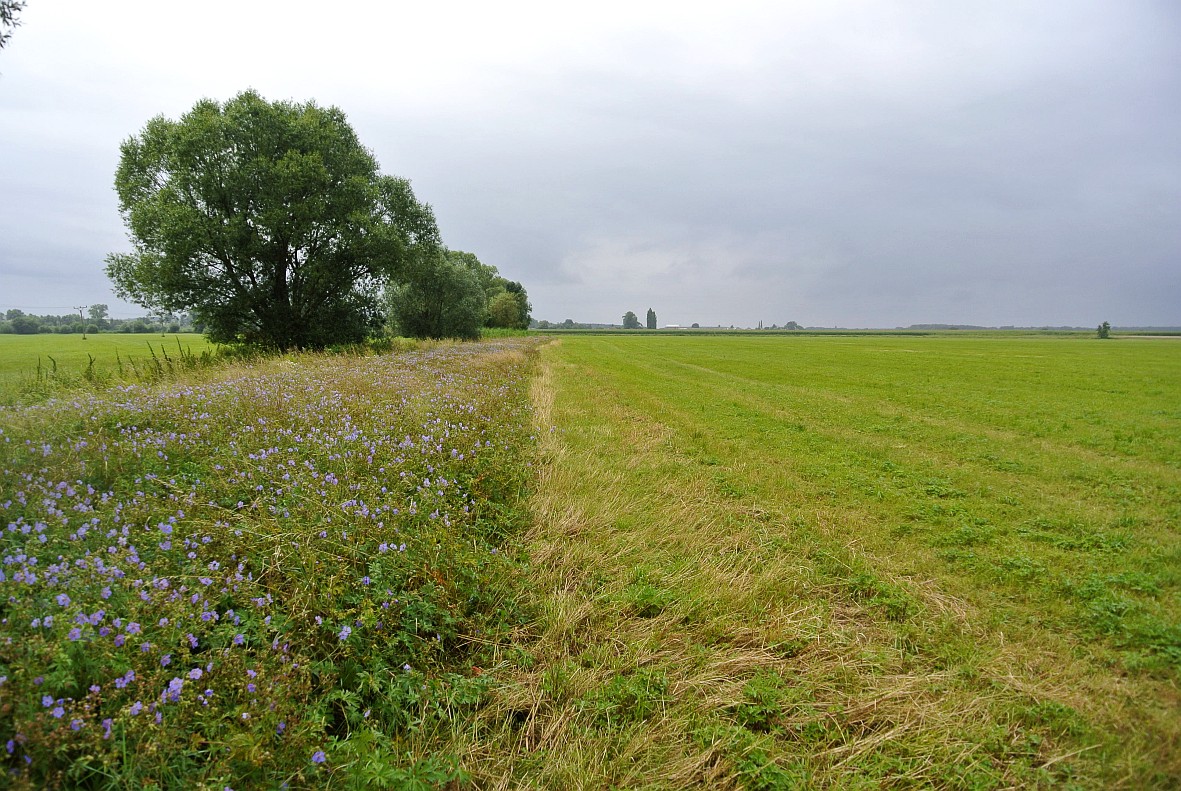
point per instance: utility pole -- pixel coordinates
(81, 318)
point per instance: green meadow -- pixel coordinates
(22, 356)
(600, 561)
(270, 573)
(853, 562)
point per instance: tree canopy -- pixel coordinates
(98, 313)
(506, 303)
(510, 308)
(269, 221)
(8, 19)
(630, 321)
(439, 297)
(650, 321)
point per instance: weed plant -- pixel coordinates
(286, 574)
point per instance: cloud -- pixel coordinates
(869, 164)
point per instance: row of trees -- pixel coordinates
(17, 322)
(271, 224)
(66, 325)
(568, 324)
(453, 295)
(632, 322)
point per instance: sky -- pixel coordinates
(854, 164)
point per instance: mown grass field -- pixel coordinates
(70, 355)
(853, 562)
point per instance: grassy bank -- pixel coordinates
(850, 562)
(287, 573)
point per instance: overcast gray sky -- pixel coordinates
(862, 164)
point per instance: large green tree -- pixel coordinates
(98, 314)
(439, 297)
(650, 320)
(490, 280)
(506, 301)
(269, 221)
(510, 308)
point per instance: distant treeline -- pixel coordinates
(17, 322)
(1042, 327)
(571, 324)
(793, 327)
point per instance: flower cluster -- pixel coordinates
(184, 564)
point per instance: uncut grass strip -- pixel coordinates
(265, 527)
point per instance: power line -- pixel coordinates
(41, 307)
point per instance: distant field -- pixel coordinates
(773, 562)
(20, 354)
(700, 332)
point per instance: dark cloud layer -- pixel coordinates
(872, 165)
